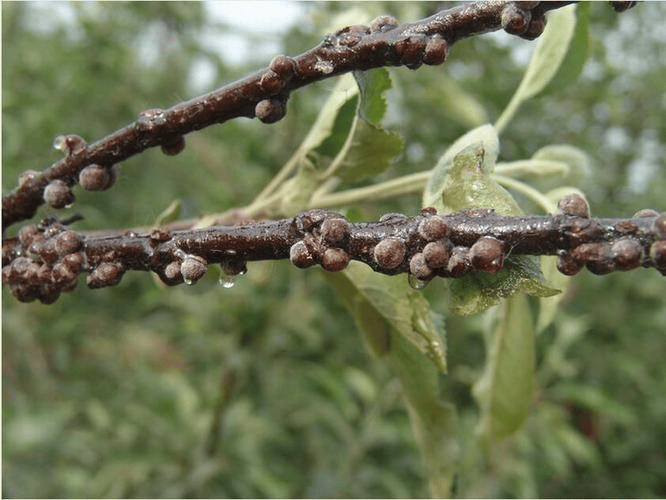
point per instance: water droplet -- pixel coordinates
(59, 143)
(416, 283)
(227, 280)
(188, 282)
(325, 67)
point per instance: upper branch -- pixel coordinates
(264, 94)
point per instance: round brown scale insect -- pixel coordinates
(62, 274)
(646, 212)
(271, 82)
(411, 50)
(626, 253)
(389, 253)
(46, 251)
(68, 242)
(283, 66)
(658, 255)
(659, 227)
(458, 262)
(174, 146)
(574, 204)
(515, 20)
(270, 110)
(106, 274)
(595, 256)
(535, 29)
(193, 268)
(436, 50)
(383, 23)
(300, 255)
(433, 228)
(171, 275)
(74, 261)
(96, 178)
(568, 265)
(334, 231)
(436, 254)
(57, 194)
(487, 254)
(334, 259)
(419, 269)
(70, 144)
(27, 176)
(26, 234)
(48, 294)
(24, 293)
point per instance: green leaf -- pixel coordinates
(341, 127)
(478, 290)
(504, 392)
(371, 152)
(484, 138)
(169, 214)
(574, 157)
(336, 114)
(298, 190)
(545, 61)
(454, 102)
(404, 308)
(578, 53)
(372, 85)
(434, 421)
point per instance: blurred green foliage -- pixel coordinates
(127, 392)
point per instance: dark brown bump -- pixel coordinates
(568, 264)
(419, 268)
(68, 242)
(334, 259)
(626, 253)
(334, 231)
(389, 253)
(73, 261)
(300, 255)
(26, 235)
(514, 19)
(645, 213)
(458, 262)
(436, 254)
(626, 227)
(173, 146)
(383, 23)
(535, 29)
(271, 83)
(283, 66)
(487, 254)
(106, 274)
(58, 194)
(411, 50)
(193, 268)
(436, 50)
(270, 110)
(96, 178)
(659, 227)
(658, 254)
(433, 228)
(574, 204)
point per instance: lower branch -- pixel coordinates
(45, 260)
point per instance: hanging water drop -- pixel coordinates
(188, 281)
(416, 283)
(227, 280)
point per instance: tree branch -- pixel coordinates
(264, 94)
(46, 259)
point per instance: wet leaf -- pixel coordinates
(505, 390)
(402, 307)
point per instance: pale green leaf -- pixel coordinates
(578, 53)
(504, 392)
(345, 91)
(404, 308)
(482, 138)
(372, 86)
(545, 61)
(370, 153)
(434, 422)
(478, 290)
(169, 214)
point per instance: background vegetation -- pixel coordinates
(127, 391)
